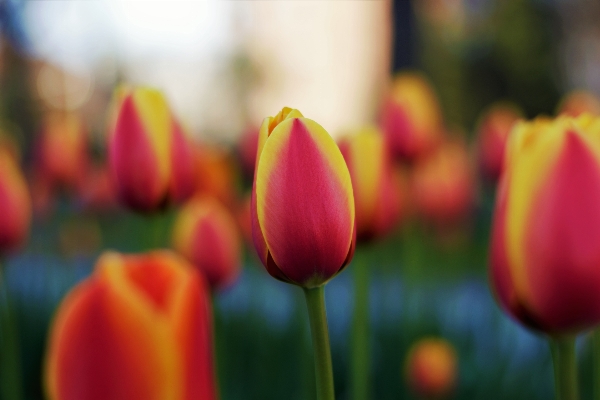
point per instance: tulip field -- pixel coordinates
(377, 201)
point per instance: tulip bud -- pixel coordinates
(544, 253)
(492, 133)
(206, 234)
(579, 102)
(216, 175)
(411, 118)
(149, 155)
(302, 202)
(15, 203)
(443, 184)
(431, 368)
(376, 195)
(138, 328)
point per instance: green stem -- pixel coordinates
(565, 364)
(10, 365)
(315, 301)
(554, 353)
(596, 363)
(360, 333)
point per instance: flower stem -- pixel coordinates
(596, 363)
(315, 301)
(565, 367)
(10, 365)
(360, 333)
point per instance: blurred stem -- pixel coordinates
(315, 301)
(10, 363)
(360, 368)
(554, 353)
(565, 368)
(596, 363)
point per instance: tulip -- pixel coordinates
(492, 131)
(579, 102)
(303, 218)
(443, 184)
(15, 203)
(216, 176)
(303, 206)
(62, 151)
(247, 149)
(431, 368)
(544, 253)
(376, 193)
(138, 328)
(411, 118)
(206, 234)
(149, 155)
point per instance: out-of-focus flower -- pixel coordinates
(411, 117)
(431, 368)
(493, 129)
(97, 192)
(377, 197)
(302, 202)
(62, 152)
(15, 203)
(206, 234)
(244, 218)
(442, 184)
(149, 156)
(579, 102)
(216, 174)
(138, 328)
(247, 148)
(546, 228)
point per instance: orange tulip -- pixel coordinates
(544, 253)
(149, 156)
(579, 102)
(216, 175)
(206, 234)
(302, 202)
(62, 150)
(411, 118)
(493, 128)
(15, 203)
(377, 196)
(443, 184)
(431, 368)
(138, 328)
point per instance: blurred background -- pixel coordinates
(224, 66)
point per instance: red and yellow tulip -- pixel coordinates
(492, 133)
(546, 229)
(377, 195)
(138, 328)
(15, 203)
(206, 234)
(302, 202)
(411, 118)
(150, 158)
(431, 368)
(579, 102)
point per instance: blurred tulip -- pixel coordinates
(377, 197)
(492, 132)
(248, 147)
(431, 368)
(97, 193)
(138, 328)
(206, 234)
(411, 118)
(579, 102)
(244, 218)
(62, 151)
(544, 253)
(302, 202)
(15, 203)
(149, 155)
(216, 176)
(442, 184)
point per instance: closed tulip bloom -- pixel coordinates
(411, 117)
(492, 133)
(302, 202)
(377, 196)
(206, 233)
(15, 203)
(579, 102)
(149, 155)
(138, 328)
(431, 368)
(546, 228)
